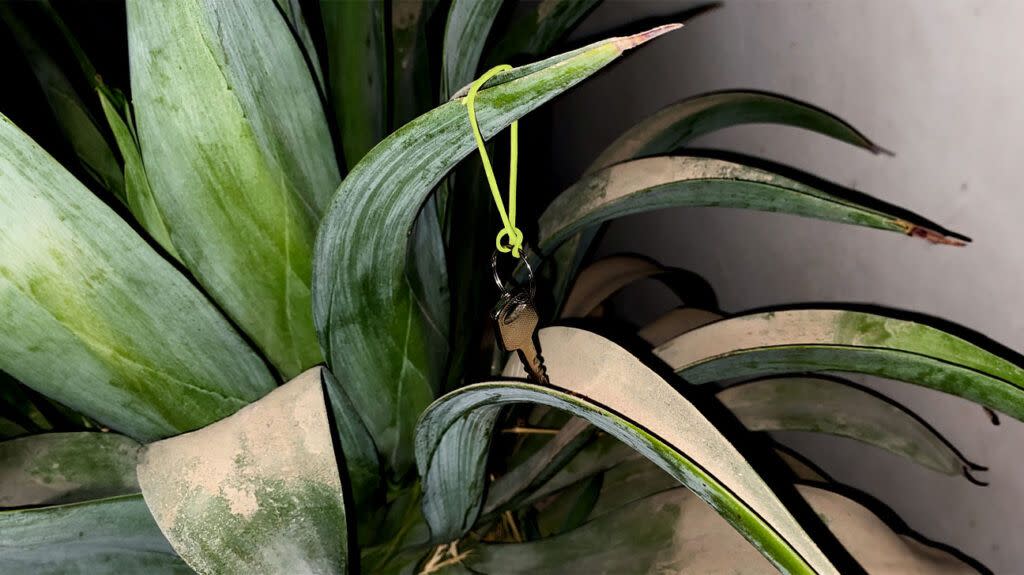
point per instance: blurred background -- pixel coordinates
(938, 82)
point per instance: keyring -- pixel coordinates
(526, 262)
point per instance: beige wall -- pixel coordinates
(937, 81)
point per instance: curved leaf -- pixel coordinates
(101, 537)
(675, 532)
(809, 340)
(603, 278)
(357, 71)
(676, 322)
(465, 33)
(56, 468)
(539, 26)
(592, 374)
(258, 492)
(676, 125)
(840, 408)
(654, 183)
(97, 320)
(239, 158)
(379, 340)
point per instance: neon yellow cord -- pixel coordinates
(515, 235)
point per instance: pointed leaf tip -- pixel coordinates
(627, 42)
(933, 236)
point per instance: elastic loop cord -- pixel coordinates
(508, 218)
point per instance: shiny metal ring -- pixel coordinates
(523, 252)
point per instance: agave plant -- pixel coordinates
(252, 336)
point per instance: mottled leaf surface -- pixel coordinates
(655, 183)
(55, 468)
(606, 385)
(813, 340)
(239, 157)
(97, 320)
(258, 492)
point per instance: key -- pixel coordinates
(516, 321)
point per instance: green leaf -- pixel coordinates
(101, 537)
(592, 375)
(812, 340)
(258, 492)
(465, 33)
(540, 466)
(381, 342)
(56, 468)
(675, 532)
(97, 320)
(410, 59)
(357, 70)
(137, 192)
(837, 407)
(539, 26)
(73, 116)
(678, 124)
(654, 183)
(362, 463)
(292, 10)
(239, 158)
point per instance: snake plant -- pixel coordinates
(245, 323)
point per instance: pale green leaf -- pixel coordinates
(814, 340)
(97, 320)
(674, 181)
(138, 194)
(258, 492)
(678, 124)
(604, 384)
(112, 536)
(357, 71)
(55, 468)
(465, 33)
(840, 408)
(382, 342)
(239, 159)
(292, 10)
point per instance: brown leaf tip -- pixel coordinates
(930, 235)
(636, 39)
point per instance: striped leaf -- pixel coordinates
(110, 536)
(465, 33)
(239, 158)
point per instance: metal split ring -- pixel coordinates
(523, 252)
